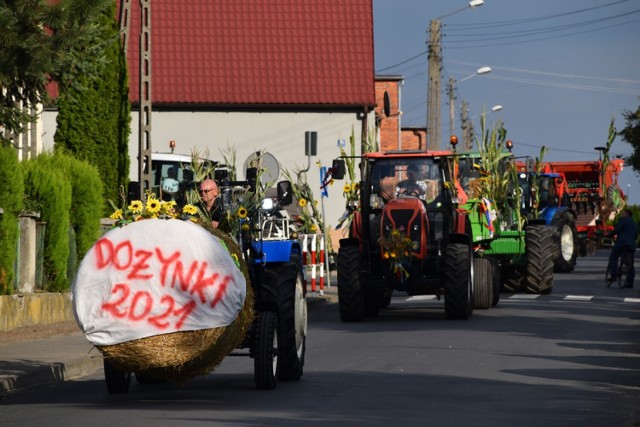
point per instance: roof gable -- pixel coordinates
(287, 52)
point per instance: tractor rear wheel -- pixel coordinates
(495, 266)
(266, 351)
(539, 258)
(482, 283)
(458, 287)
(292, 322)
(350, 292)
(566, 244)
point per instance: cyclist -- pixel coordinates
(626, 232)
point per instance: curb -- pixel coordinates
(50, 373)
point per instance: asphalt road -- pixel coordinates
(571, 358)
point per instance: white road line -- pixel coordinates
(523, 297)
(637, 300)
(578, 298)
(421, 298)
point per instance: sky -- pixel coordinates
(561, 70)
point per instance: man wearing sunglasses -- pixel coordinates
(210, 202)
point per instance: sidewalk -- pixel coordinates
(68, 356)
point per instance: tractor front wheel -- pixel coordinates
(350, 292)
(458, 287)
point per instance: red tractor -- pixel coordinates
(407, 235)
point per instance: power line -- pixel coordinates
(539, 18)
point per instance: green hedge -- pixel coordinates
(87, 203)
(48, 185)
(11, 202)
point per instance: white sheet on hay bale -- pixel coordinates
(154, 277)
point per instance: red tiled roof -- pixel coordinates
(258, 52)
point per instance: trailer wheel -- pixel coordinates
(539, 255)
(292, 325)
(350, 292)
(266, 351)
(118, 381)
(458, 287)
(482, 283)
(566, 244)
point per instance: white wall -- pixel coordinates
(281, 134)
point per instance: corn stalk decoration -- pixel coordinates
(351, 189)
(309, 220)
(534, 182)
(499, 177)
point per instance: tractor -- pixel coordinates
(406, 235)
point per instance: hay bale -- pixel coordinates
(181, 356)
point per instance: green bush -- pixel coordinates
(11, 202)
(48, 185)
(87, 203)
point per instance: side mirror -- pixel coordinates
(251, 175)
(285, 193)
(531, 165)
(133, 191)
(338, 169)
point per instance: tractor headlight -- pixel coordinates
(376, 202)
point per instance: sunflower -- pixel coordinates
(313, 228)
(242, 212)
(302, 203)
(153, 206)
(136, 206)
(347, 188)
(189, 209)
(118, 214)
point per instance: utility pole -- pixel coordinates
(144, 115)
(467, 127)
(434, 134)
(452, 99)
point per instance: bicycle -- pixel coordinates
(625, 262)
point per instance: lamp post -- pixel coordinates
(451, 89)
(434, 134)
(467, 125)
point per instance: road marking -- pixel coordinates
(578, 298)
(527, 297)
(631, 300)
(421, 298)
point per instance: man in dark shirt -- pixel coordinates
(211, 202)
(626, 232)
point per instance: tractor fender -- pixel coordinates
(277, 250)
(549, 213)
(460, 238)
(559, 212)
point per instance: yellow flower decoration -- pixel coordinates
(136, 206)
(347, 188)
(242, 212)
(118, 214)
(302, 203)
(314, 228)
(153, 206)
(190, 209)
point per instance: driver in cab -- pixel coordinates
(411, 186)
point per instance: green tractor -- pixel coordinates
(512, 252)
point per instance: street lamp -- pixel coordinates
(451, 89)
(467, 125)
(434, 89)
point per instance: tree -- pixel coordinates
(631, 135)
(94, 112)
(37, 44)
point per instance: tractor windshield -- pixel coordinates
(419, 177)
